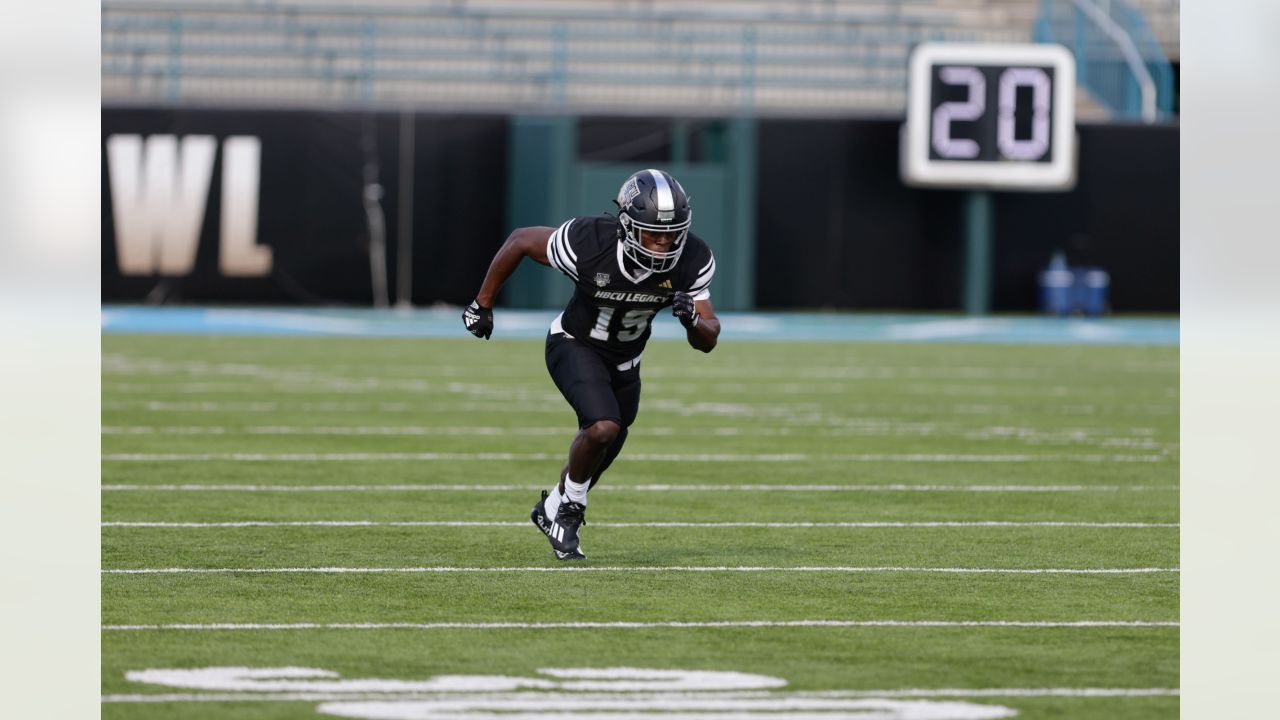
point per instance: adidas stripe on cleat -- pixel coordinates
(569, 518)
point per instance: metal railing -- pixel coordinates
(1164, 17)
(524, 59)
(1118, 59)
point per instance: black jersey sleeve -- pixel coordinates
(704, 269)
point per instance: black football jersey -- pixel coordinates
(614, 300)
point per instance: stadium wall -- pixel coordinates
(835, 226)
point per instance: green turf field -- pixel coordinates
(900, 531)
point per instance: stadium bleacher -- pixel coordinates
(713, 56)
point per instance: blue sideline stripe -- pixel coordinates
(446, 322)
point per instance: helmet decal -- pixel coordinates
(630, 191)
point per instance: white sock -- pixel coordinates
(553, 502)
(576, 491)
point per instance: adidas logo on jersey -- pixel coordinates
(665, 284)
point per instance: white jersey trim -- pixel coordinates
(557, 328)
(560, 253)
(701, 288)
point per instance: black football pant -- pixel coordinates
(596, 389)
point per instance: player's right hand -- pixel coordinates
(479, 320)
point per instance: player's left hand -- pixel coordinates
(682, 307)
(479, 320)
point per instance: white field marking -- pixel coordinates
(117, 365)
(114, 364)
(717, 705)
(635, 568)
(297, 679)
(993, 391)
(319, 379)
(270, 407)
(992, 409)
(898, 693)
(643, 488)
(624, 625)
(291, 384)
(131, 365)
(617, 692)
(317, 375)
(405, 430)
(261, 696)
(802, 411)
(246, 379)
(758, 388)
(492, 430)
(556, 408)
(466, 523)
(859, 372)
(710, 706)
(319, 387)
(1097, 437)
(166, 406)
(642, 457)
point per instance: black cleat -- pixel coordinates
(563, 531)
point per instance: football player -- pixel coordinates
(624, 270)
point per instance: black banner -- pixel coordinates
(837, 228)
(226, 206)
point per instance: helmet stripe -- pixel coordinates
(666, 200)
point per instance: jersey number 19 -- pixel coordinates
(634, 323)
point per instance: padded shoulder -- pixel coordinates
(579, 237)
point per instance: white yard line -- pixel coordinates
(293, 384)
(122, 364)
(340, 407)
(638, 625)
(117, 364)
(640, 488)
(466, 523)
(649, 457)
(393, 430)
(1136, 438)
(898, 693)
(673, 405)
(637, 568)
